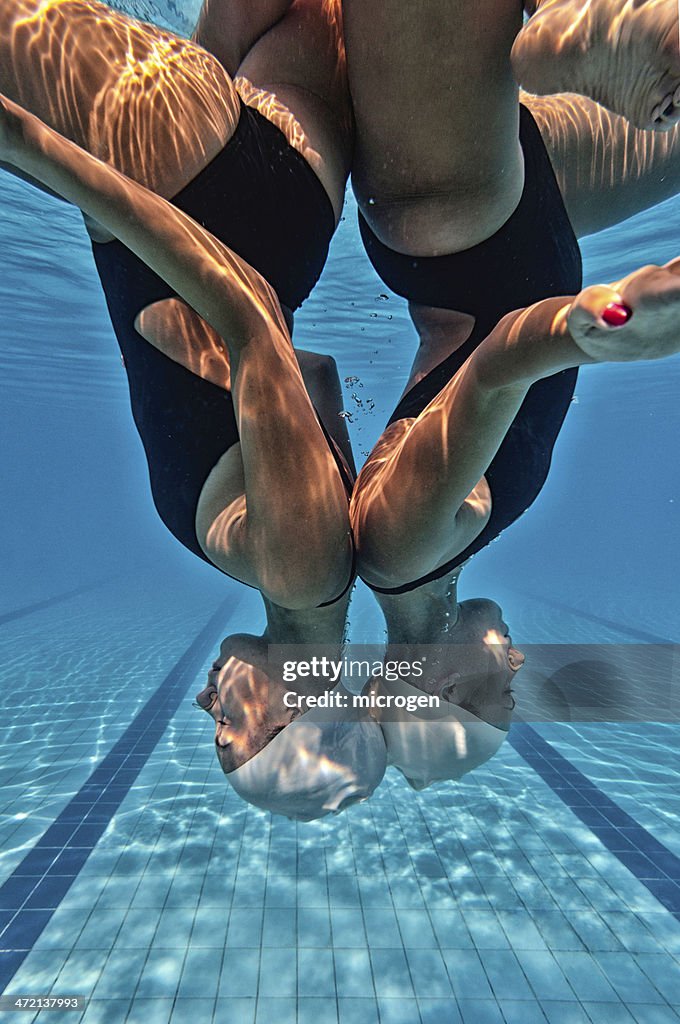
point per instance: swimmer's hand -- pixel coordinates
(634, 319)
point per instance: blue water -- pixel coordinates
(539, 889)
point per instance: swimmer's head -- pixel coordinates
(301, 763)
(470, 670)
(246, 703)
(469, 657)
(476, 664)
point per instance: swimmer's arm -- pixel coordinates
(607, 170)
(421, 498)
(221, 287)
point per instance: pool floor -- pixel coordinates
(544, 889)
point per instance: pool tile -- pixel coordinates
(480, 1011)
(466, 974)
(485, 929)
(316, 976)
(375, 892)
(38, 972)
(585, 978)
(343, 891)
(278, 973)
(276, 1008)
(209, 929)
(450, 929)
(651, 1014)
(317, 1011)
(406, 893)
(428, 974)
(564, 1013)
(120, 975)
(359, 1011)
(279, 893)
(629, 982)
(632, 932)
(506, 976)
(192, 1010)
(138, 929)
(594, 932)
(347, 928)
(664, 974)
(544, 975)
(245, 928)
(149, 1011)
(608, 1013)
(398, 1011)
(101, 929)
(200, 975)
(236, 1009)
(353, 977)
(106, 1011)
(160, 975)
(312, 892)
(522, 1012)
(239, 975)
(279, 927)
(556, 930)
(416, 929)
(173, 929)
(81, 972)
(382, 929)
(435, 1011)
(313, 927)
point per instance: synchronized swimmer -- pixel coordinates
(211, 192)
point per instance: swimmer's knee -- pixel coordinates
(317, 369)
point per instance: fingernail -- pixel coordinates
(616, 314)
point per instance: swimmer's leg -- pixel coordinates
(607, 169)
(155, 106)
(290, 536)
(257, 516)
(182, 335)
(625, 54)
(320, 374)
(438, 166)
(229, 30)
(417, 498)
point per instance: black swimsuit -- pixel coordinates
(535, 255)
(262, 199)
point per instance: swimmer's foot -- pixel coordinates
(634, 319)
(625, 54)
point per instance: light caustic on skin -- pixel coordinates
(611, 153)
(625, 54)
(124, 92)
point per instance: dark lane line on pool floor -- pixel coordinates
(638, 635)
(36, 887)
(650, 861)
(48, 602)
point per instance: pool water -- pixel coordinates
(544, 887)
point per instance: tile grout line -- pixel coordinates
(30, 899)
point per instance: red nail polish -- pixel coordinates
(616, 314)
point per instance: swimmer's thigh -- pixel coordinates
(153, 105)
